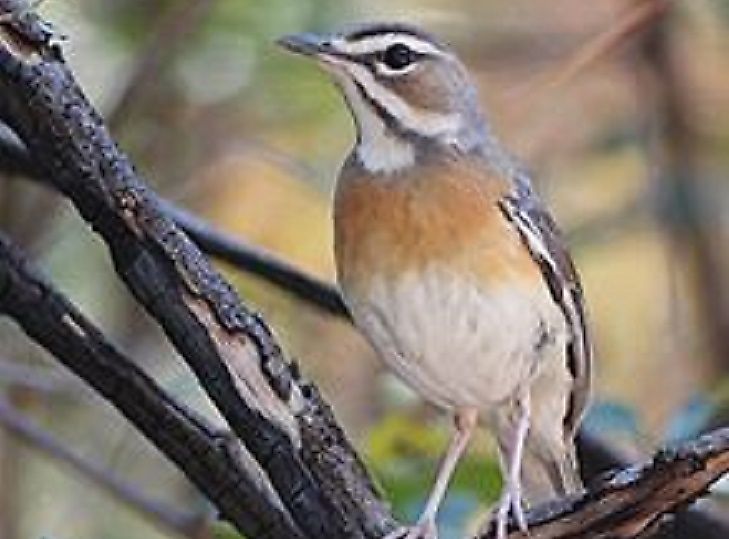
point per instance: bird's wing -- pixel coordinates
(547, 246)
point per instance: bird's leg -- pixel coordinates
(465, 421)
(511, 495)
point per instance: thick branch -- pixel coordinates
(52, 321)
(626, 503)
(14, 159)
(305, 454)
(282, 421)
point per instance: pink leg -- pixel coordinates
(466, 420)
(511, 495)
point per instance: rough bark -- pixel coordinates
(310, 472)
(626, 503)
(203, 455)
(281, 419)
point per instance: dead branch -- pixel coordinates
(181, 523)
(256, 260)
(195, 447)
(625, 503)
(281, 419)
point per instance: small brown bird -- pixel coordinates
(450, 264)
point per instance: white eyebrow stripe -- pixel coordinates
(371, 44)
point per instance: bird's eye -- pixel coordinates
(398, 56)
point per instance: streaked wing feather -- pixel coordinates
(545, 242)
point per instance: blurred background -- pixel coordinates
(620, 107)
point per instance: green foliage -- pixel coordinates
(223, 530)
(403, 452)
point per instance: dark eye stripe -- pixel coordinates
(391, 121)
(371, 58)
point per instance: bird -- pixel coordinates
(452, 267)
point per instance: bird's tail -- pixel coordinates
(549, 471)
(549, 467)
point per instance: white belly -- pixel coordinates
(458, 344)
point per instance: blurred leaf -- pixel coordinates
(690, 420)
(612, 420)
(223, 530)
(404, 452)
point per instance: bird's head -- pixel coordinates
(408, 92)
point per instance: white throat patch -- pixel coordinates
(378, 150)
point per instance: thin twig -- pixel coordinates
(42, 380)
(258, 261)
(187, 440)
(641, 15)
(185, 524)
(14, 160)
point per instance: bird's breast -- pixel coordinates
(446, 215)
(441, 285)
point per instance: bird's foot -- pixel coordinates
(510, 503)
(424, 529)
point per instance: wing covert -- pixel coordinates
(547, 246)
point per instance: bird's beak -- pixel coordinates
(307, 44)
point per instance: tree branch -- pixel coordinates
(280, 418)
(52, 321)
(185, 524)
(14, 160)
(258, 261)
(626, 503)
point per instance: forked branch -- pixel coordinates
(280, 418)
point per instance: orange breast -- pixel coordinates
(444, 214)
